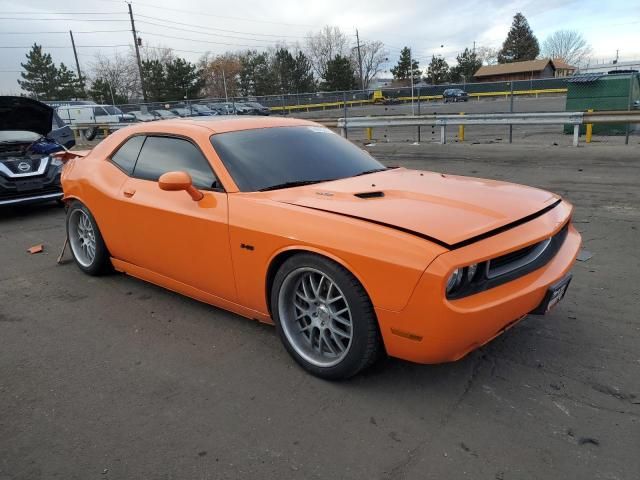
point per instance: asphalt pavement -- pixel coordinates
(113, 378)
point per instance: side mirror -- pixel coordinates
(174, 181)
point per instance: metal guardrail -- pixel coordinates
(544, 118)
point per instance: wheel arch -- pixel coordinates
(282, 255)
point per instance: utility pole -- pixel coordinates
(474, 47)
(360, 61)
(75, 54)
(135, 43)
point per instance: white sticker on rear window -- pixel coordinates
(320, 129)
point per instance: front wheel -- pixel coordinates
(87, 246)
(324, 317)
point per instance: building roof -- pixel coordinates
(562, 65)
(514, 67)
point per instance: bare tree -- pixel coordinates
(374, 56)
(120, 71)
(218, 70)
(324, 46)
(488, 55)
(162, 54)
(567, 45)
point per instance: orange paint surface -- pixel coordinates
(193, 247)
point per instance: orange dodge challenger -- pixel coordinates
(284, 221)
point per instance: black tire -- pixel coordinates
(90, 133)
(101, 262)
(365, 345)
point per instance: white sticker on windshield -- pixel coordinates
(320, 129)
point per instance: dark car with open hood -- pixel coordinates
(29, 134)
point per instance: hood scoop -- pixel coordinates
(367, 195)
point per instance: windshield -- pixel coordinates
(263, 158)
(111, 110)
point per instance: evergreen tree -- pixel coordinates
(402, 71)
(258, 74)
(284, 65)
(101, 92)
(438, 71)
(340, 74)
(303, 80)
(520, 44)
(468, 65)
(155, 80)
(67, 84)
(182, 79)
(40, 74)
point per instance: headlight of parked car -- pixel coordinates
(56, 162)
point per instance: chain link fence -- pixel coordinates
(580, 93)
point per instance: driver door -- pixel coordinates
(169, 233)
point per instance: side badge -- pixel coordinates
(247, 247)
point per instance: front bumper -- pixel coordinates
(432, 329)
(32, 189)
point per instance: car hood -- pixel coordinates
(21, 113)
(450, 210)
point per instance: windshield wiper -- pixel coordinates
(373, 170)
(297, 183)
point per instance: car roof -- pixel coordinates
(221, 124)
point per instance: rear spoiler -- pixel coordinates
(66, 155)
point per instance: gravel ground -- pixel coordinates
(112, 378)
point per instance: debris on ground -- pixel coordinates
(35, 249)
(584, 255)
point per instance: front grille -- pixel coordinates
(12, 164)
(12, 194)
(512, 265)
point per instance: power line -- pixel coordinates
(202, 41)
(67, 46)
(63, 31)
(245, 19)
(205, 27)
(63, 13)
(66, 19)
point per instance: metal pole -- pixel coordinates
(135, 44)
(418, 113)
(511, 111)
(411, 68)
(75, 54)
(344, 102)
(360, 61)
(224, 83)
(626, 138)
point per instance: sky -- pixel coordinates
(192, 27)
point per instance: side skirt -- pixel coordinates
(187, 290)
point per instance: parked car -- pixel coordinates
(28, 172)
(143, 116)
(164, 114)
(284, 221)
(257, 109)
(454, 95)
(183, 112)
(222, 108)
(88, 112)
(202, 110)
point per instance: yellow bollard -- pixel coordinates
(461, 131)
(589, 128)
(369, 133)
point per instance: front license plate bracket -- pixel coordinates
(555, 293)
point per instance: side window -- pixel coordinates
(165, 154)
(127, 154)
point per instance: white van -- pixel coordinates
(83, 113)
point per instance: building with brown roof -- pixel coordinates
(528, 70)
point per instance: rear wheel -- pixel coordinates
(324, 317)
(90, 133)
(87, 246)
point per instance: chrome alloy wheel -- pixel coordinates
(315, 317)
(82, 237)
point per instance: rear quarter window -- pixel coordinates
(125, 157)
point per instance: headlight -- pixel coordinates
(454, 280)
(460, 278)
(56, 162)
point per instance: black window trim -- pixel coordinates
(167, 135)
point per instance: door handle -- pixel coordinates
(129, 192)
